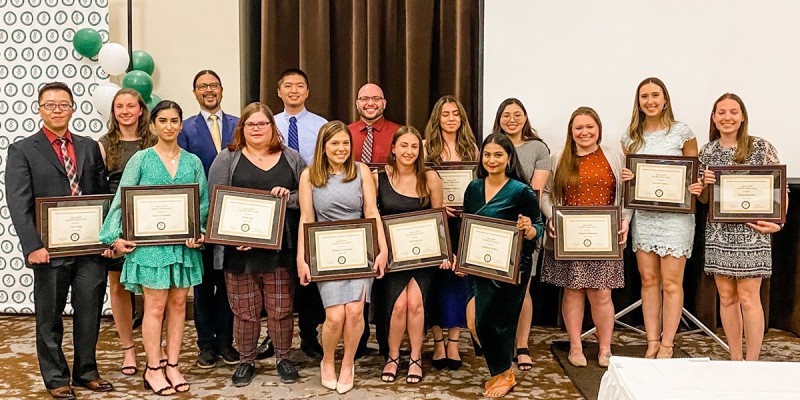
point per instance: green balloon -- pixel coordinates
(87, 42)
(142, 61)
(152, 101)
(140, 82)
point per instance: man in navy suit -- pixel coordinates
(56, 162)
(205, 135)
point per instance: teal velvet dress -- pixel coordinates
(497, 304)
(164, 266)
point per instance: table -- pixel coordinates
(699, 378)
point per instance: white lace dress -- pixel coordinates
(663, 233)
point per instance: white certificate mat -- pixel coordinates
(161, 214)
(415, 240)
(741, 194)
(489, 247)
(246, 217)
(341, 249)
(74, 226)
(660, 182)
(587, 233)
(454, 184)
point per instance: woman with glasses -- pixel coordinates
(255, 278)
(534, 157)
(162, 273)
(128, 132)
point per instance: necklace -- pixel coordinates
(254, 154)
(170, 157)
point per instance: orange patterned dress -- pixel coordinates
(597, 187)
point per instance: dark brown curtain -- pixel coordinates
(416, 50)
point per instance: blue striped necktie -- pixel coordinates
(293, 142)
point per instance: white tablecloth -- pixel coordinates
(699, 378)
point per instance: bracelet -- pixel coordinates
(111, 247)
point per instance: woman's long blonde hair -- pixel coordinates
(320, 167)
(465, 138)
(636, 127)
(568, 172)
(744, 142)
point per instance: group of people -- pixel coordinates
(322, 169)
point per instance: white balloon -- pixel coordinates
(114, 59)
(102, 98)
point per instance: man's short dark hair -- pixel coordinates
(205, 72)
(55, 86)
(292, 71)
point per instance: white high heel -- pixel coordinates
(343, 388)
(331, 384)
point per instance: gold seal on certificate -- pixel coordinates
(164, 214)
(341, 249)
(245, 217)
(490, 248)
(661, 183)
(456, 176)
(417, 239)
(70, 225)
(587, 233)
(748, 193)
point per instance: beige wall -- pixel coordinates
(184, 37)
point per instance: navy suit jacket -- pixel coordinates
(34, 170)
(196, 138)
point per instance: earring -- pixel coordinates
(508, 168)
(665, 106)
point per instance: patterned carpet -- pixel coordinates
(19, 372)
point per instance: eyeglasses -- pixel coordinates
(252, 125)
(204, 86)
(52, 106)
(366, 99)
(516, 117)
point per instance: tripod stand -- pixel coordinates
(685, 315)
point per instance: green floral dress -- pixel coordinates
(165, 266)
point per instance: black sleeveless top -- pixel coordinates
(391, 202)
(247, 175)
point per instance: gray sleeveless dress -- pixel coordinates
(337, 201)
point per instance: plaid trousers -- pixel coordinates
(248, 293)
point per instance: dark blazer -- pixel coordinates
(34, 170)
(196, 138)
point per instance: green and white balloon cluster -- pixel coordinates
(114, 59)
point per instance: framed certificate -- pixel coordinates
(489, 247)
(456, 176)
(70, 225)
(748, 193)
(245, 217)
(661, 183)
(160, 214)
(587, 233)
(417, 239)
(341, 249)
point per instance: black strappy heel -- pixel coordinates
(129, 369)
(179, 386)
(147, 386)
(410, 377)
(440, 363)
(390, 377)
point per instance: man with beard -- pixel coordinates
(205, 135)
(372, 142)
(372, 133)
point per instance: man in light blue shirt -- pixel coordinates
(298, 126)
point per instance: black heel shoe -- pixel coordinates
(179, 386)
(452, 363)
(147, 386)
(390, 377)
(440, 363)
(413, 379)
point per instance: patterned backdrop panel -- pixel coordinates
(36, 47)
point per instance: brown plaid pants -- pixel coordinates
(247, 294)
